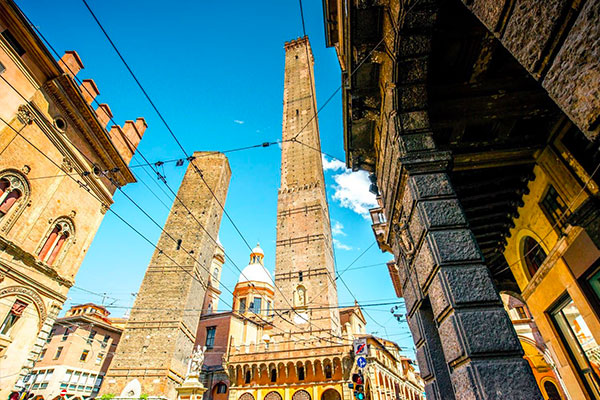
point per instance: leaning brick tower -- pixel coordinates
(304, 270)
(151, 357)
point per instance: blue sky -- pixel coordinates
(215, 70)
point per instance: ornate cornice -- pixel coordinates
(68, 96)
(29, 260)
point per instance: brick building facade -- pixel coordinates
(160, 333)
(76, 356)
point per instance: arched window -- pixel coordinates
(300, 296)
(57, 241)
(221, 388)
(533, 254)
(273, 396)
(14, 191)
(273, 375)
(551, 391)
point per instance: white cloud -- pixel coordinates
(237, 121)
(338, 229)
(333, 165)
(340, 245)
(351, 190)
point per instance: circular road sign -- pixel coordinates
(361, 362)
(63, 392)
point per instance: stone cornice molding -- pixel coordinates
(63, 90)
(29, 260)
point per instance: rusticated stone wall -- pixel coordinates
(557, 42)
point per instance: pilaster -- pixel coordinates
(466, 345)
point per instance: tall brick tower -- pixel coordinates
(304, 270)
(159, 336)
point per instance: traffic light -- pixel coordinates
(359, 392)
(359, 388)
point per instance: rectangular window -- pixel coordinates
(105, 340)
(84, 355)
(48, 375)
(553, 207)
(300, 276)
(268, 307)
(91, 337)
(99, 358)
(580, 343)
(257, 305)
(12, 317)
(58, 351)
(210, 336)
(521, 312)
(49, 338)
(67, 376)
(43, 353)
(242, 305)
(13, 42)
(65, 335)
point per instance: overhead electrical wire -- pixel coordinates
(183, 149)
(170, 130)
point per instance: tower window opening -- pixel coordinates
(328, 373)
(273, 375)
(297, 113)
(247, 380)
(178, 244)
(300, 277)
(300, 373)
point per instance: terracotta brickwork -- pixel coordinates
(56, 166)
(161, 330)
(304, 258)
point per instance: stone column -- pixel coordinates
(466, 345)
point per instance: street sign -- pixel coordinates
(63, 393)
(361, 362)
(360, 347)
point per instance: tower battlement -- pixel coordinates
(299, 43)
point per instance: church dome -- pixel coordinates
(256, 271)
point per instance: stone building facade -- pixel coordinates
(76, 356)
(459, 110)
(555, 262)
(159, 336)
(56, 158)
(390, 376)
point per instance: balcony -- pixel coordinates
(380, 228)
